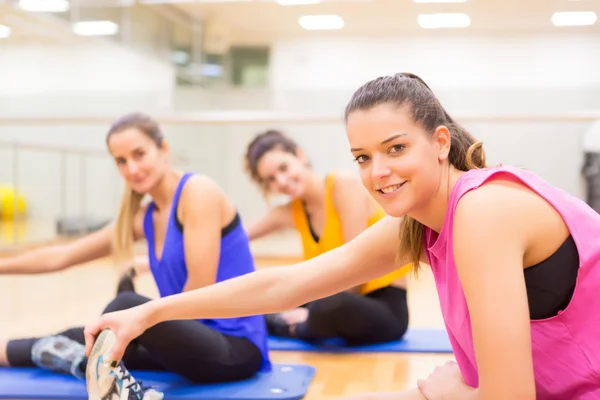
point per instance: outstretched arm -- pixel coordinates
(370, 255)
(57, 257)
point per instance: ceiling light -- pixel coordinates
(5, 31)
(321, 22)
(44, 5)
(95, 28)
(576, 18)
(444, 20)
(297, 2)
(440, 1)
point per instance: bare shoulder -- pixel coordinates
(497, 196)
(347, 185)
(282, 209)
(345, 177)
(497, 199)
(201, 185)
(509, 210)
(201, 193)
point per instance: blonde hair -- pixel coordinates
(122, 240)
(466, 153)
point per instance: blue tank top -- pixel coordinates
(170, 272)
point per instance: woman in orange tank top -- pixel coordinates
(326, 211)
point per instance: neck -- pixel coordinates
(314, 192)
(162, 194)
(433, 214)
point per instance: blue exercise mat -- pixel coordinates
(414, 341)
(285, 382)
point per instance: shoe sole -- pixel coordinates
(103, 342)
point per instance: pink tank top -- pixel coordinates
(566, 347)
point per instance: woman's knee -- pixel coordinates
(124, 301)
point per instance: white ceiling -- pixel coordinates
(264, 20)
(34, 28)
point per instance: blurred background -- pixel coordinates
(522, 75)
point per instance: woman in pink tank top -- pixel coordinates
(481, 229)
(516, 261)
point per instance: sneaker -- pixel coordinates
(59, 354)
(112, 383)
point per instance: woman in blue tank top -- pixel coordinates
(195, 238)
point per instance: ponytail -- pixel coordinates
(123, 233)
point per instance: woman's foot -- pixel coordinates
(112, 382)
(60, 354)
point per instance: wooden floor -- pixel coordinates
(45, 304)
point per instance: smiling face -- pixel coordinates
(400, 162)
(283, 172)
(140, 160)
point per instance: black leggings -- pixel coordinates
(188, 348)
(379, 316)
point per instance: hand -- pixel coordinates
(446, 383)
(126, 325)
(295, 316)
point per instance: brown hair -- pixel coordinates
(131, 200)
(263, 143)
(405, 89)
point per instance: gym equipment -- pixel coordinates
(414, 341)
(69, 226)
(8, 195)
(284, 382)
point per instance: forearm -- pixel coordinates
(256, 293)
(38, 261)
(277, 289)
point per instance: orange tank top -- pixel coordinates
(333, 236)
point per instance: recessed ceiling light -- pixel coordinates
(44, 5)
(95, 28)
(321, 22)
(5, 31)
(440, 1)
(444, 20)
(575, 18)
(297, 2)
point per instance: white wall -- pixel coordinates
(94, 78)
(490, 76)
(525, 75)
(456, 62)
(98, 73)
